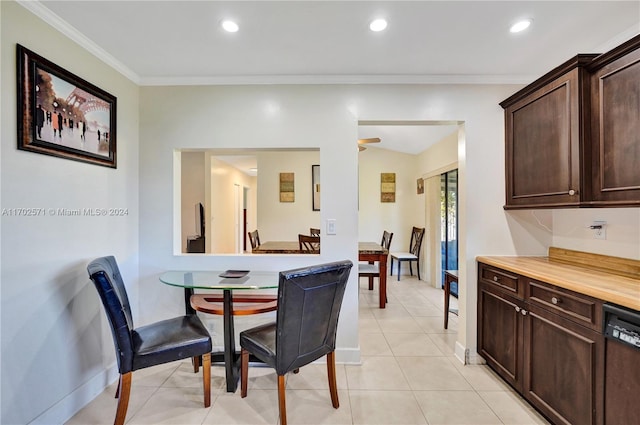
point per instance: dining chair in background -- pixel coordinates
(309, 243)
(150, 345)
(314, 232)
(372, 269)
(254, 239)
(417, 234)
(309, 301)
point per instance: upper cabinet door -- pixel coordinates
(615, 126)
(572, 137)
(544, 133)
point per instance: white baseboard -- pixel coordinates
(475, 358)
(64, 410)
(460, 352)
(467, 356)
(348, 356)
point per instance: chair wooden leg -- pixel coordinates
(118, 387)
(371, 283)
(196, 363)
(331, 372)
(206, 378)
(124, 390)
(244, 372)
(281, 400)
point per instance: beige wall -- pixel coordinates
(192, 182)
(224, 212)
(441, 157)
(396, 217)
(283, 221)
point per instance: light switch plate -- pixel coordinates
(331, 226)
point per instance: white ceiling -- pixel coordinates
(407, 137)
(181, 42)
(175, 41)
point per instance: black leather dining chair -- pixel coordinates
(150, 345)
(309, 301)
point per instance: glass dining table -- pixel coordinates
(226, 281)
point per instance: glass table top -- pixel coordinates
(220, 279)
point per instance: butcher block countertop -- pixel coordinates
(611, 279)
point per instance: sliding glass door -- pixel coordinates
(449, 223)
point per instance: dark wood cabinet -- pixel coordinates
(572, 137)
(547, 344)
(544, 133)
(615, 127)
(500, 336)
(564, 368)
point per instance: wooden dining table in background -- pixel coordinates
(373, 251)
(367, 251)
(280, 247)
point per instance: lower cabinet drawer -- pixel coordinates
(509, 282)
(578, 308)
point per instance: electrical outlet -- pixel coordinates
(599, 229)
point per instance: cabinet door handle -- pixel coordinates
(524, 312)
(573, 192)
(496, 278)
(555, 300)
(517, 309)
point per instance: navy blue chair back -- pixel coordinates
(106, 277)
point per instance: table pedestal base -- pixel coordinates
(210, 303)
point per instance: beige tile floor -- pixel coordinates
(408, 376)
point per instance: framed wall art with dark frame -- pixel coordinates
(315, 187)
(61, 114)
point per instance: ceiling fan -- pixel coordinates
(365, 141)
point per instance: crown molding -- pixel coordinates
(334, 79)
(42, 12)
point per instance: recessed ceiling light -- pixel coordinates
(378, 25)
(230, 26)
(520, 25)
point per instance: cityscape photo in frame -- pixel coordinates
(61, 114)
